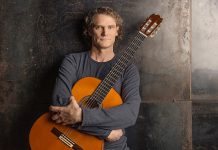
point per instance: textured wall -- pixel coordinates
(204, 45)
(162, 126)
(36, 34)
(164, 61)
(205, 74)
(205, 121)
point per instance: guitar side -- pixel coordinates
(41, 136)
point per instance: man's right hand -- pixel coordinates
(115, 135)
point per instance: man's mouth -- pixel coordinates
(104, 39)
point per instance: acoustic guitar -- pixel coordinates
(89, 92)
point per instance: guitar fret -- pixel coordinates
(121, 63)
(134, 44)
(105, 88)
(109, 81)
(102, 90)
(97, 97)
(124, 59)
(106, 82)
(112, 80)
(127, 54)
(101, 96)
(113, 76)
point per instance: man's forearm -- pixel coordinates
(95, 131)
(119, 117)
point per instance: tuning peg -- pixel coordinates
(152, 34)
(155, 32)
(158, 27)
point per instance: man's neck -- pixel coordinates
(101, 55)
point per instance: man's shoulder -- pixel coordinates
(77, 54)
(131, 70)
(75, 58)
(132, 67)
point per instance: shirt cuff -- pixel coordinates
(84, 117)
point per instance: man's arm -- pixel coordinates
(104, 134)
(67, 76)
(121, 116)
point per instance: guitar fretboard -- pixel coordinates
(117, 70)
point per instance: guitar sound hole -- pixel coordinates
(87, 103)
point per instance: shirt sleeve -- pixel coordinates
(95, 131)
(64, 81)
(121, 116)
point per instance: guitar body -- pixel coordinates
(41, 137)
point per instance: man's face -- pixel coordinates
(104, 32)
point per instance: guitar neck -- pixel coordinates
(117, 70)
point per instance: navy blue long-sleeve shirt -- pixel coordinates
(99, 121)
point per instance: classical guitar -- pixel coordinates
(89, 92)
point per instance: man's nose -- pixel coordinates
(104, 31)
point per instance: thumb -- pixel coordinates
(73, 101)
(55, 108)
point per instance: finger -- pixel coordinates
(64, 123)
(72, 98)
(58, 121)
(74, 103)
(55, 117)
(55, 108)
(120, 131)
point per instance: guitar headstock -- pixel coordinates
(151, 25)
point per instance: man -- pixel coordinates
(103, 27)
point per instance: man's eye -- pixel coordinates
(97, 27)
(110, 27)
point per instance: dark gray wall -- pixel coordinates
(36, 34)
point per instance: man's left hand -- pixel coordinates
(67, 115)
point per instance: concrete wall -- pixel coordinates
(204, 74)
(36, 34)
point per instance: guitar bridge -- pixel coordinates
(63, 138)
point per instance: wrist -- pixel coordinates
(79, 118)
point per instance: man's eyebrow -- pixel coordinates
(112, 25)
